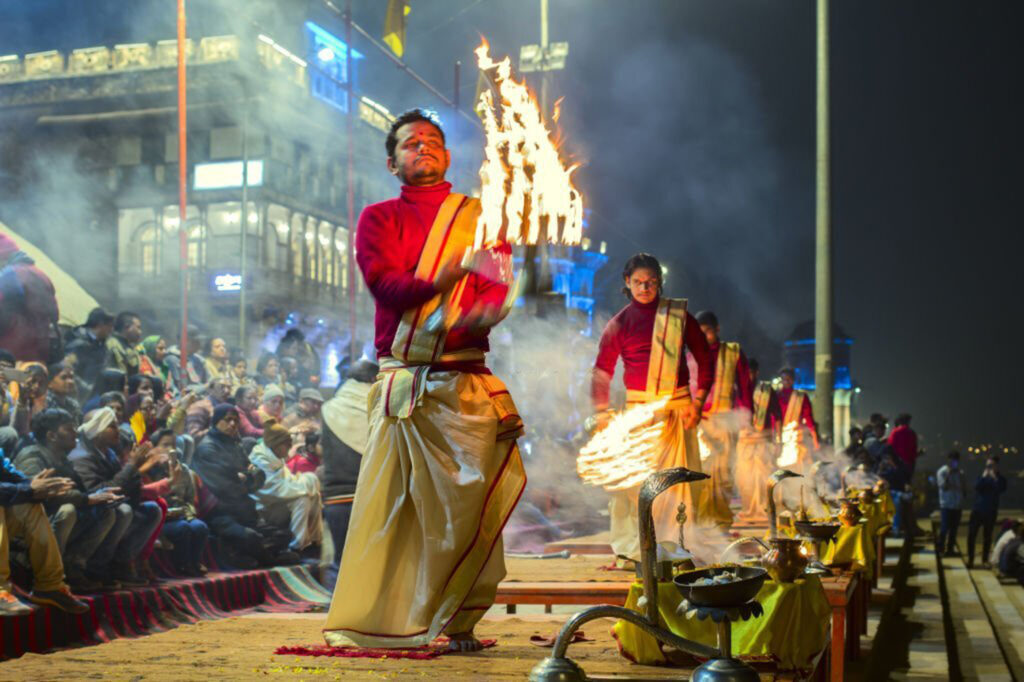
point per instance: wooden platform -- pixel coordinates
(586, 544)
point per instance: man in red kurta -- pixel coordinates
(441, 471)
(797, 422)
(654, 368)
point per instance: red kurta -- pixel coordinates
(743, 390)
(389, 241)
(806, 414)
(628, 335)
(903, 442)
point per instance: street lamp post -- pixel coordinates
(823, 335)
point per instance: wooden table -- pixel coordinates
(843, 594)
(880, 554)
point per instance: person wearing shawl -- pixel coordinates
(651, 335)
(61, 390)
(287, 499)
(442, 471)
(100, 469)
(247, 401)
(271, 404)
(153, 362)
(217, 359)
(180, 491)
(28, 305)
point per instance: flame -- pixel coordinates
(702, 443)
(622, 455)
(524, 185)
(789, 454)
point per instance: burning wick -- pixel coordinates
(620, 457)
(526, 191)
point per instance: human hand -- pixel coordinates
(481, 316)
(449, 275)
(690, 414)
(45, 485)
(139, 454)
(108, 496)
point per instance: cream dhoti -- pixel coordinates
(675, 447)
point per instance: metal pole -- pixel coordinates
(544, 74)
(245, 227)
(823, 379)
(350, 133)
(182, 185)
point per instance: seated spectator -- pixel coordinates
(10, 429)
(1011, 557)
(32, 392)
(286, 499)
(153, 362)
(109, 381)
(227, 473)
(179, 489)
(343, 442)
(267, 370)
(140, 383)
(198, 419)
(62, 389)
(305, 416)
(239, 370)
(217, 360)
(307, 360)
(987, 489)
(288, 382)
(81, 520)
(178, 379)
(272, 406)
(1009, 533)
(307, 457)
(96, 462)
(141, 416)
(122, 343)
(88, 343)
(22, 516)
(874, 441)
(247, 401)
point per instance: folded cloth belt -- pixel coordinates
(405, 384)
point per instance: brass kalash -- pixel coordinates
(721, 601)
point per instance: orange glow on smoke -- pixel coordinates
(622, 455)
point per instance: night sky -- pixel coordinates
(695, 122)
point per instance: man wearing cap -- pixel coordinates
(305, 416)
(271, 404)
(287, 499)
(441, 473)
(199, 417)
(223, 467)
(100, 470)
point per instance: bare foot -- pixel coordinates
(463, 642)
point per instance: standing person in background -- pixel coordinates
(88, 344)
(797, 421)
(903, 441)
(952, 491)
(127, 334)
(895, 474)
(294, 345)
(987, 489)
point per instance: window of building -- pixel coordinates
(325, 254)
(341, 247)
(276, 237)
(298, 247)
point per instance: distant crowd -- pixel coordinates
(126, 446)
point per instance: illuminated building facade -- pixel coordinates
(798, 352)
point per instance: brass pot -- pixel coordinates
(849, 513)
(784, 561)
(867, 496)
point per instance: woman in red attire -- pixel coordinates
(651, 335)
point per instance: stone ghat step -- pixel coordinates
(161, 607)
(1004, 604)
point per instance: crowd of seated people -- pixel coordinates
(124, 446)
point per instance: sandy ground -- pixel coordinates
(242, 649)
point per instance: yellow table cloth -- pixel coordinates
(792, 631)
(853, 545)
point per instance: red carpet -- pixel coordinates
(142, 611)
(439, 647)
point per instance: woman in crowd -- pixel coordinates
(217, 359)
(247, 400)
(268, 370)
(153, 361)
(272, 406)
(61, 390)
(239, 369)
(178, 490)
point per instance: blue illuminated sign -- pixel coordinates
(327, 56)
(226, 282)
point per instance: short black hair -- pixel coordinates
(242, 390)
(753, 364)
(208, 344)
(788, 372)
(706, 317)
(162, 433)
(50, 419)
(98, 317)
(411, 116)
(124, 319)
(111, 396)
(637, 261)
(902, 419)
(953, 454)
(58, 367)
